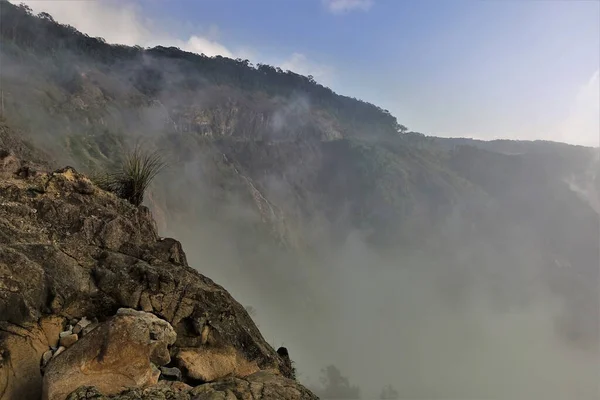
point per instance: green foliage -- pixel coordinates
(131, 180)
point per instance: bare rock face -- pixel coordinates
(21, 351)
(259, 386)
(208, 364)
(70, 252)
(122, 352)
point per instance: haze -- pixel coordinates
(483, 69)
(473, 302)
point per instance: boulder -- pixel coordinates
(259, 386)
(208, 364)
(68, 340)
(170, 374)
(21, 352)
(122, 352)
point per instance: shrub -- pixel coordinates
(133, 176)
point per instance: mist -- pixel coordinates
(461, 315)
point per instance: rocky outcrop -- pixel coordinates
(258, 386)
(208, 364)
(122, 352)
(71, 254)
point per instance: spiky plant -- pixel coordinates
(133, 176)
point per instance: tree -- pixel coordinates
(389, 393)
(336, 386)
(401, 128)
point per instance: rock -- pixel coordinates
(47, 356)
(259, 386)
(90, 327)
(173, 374)
(285, 356)
(208, 364)
(59, 351)
(66, 333)
(69, 340)
(52, 326)
(174, 386)
(81, 324)
(21, 349)
(87, 393)
(158, 392)
(120, 353)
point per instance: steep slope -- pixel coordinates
(70, 251)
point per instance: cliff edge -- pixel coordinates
(94, 304)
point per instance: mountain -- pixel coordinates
(295, 197)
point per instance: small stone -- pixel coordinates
(83, 322)
(171, 374)
(68, 341)
(58, 351)
(47, 356)
(65, 333)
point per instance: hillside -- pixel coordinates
(294, 197)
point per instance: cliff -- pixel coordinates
(70, 253)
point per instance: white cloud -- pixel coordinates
(300, 64)
(123, 22)
(583, 124)
(344, 6)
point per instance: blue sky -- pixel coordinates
(487, 69)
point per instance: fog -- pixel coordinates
(432, 329)
(388, 323)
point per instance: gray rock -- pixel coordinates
(81, 324)
(173, 373)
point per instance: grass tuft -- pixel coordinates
(133, 176)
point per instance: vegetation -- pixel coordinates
(48, 38)
(336, 386)
(389, 393)
(133, 177)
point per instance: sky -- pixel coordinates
(522, 69)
